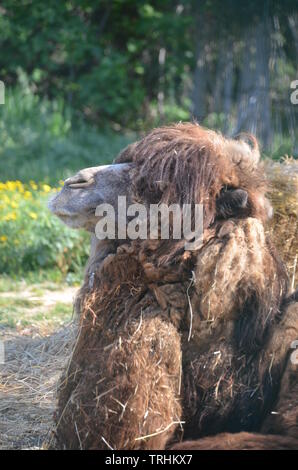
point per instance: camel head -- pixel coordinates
(76, 203)
(180, 164)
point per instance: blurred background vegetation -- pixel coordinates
(85, 77)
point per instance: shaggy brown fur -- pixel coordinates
(179, 345)
(284, 419)
(188, 164)
(239, 441)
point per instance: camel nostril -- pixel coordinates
(78, 182)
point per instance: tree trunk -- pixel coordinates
(199, 93)
(200, 84)
(228, 87)
(254, 110)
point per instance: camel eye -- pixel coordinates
(231, 203)
(226, 188)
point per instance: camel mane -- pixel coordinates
(187, 163)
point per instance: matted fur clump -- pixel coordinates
(176, 345)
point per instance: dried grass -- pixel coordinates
(28, 381)
(283, 178)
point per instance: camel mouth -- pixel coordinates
(65, 215)
(73, 221)
(58, 211)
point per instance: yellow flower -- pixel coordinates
(10, 216)
(27, 195)
(33, 185)
(33, 215)
(14, 204)
(19, 185)
(5, 199)
(46, 188)
(11, 185)
(3, 238)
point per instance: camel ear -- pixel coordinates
(232, 203)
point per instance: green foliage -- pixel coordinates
(101, 57)
(129, 64)
(31, 238)
(40, 143)
(39, 140)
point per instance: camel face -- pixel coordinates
(180, 164)
(76, 203)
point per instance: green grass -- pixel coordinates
(8, 283)
(58, 314)
(51, 279)
(8, 302)
(42, 141)
(24, 314)
(24, 305)
(38, 281)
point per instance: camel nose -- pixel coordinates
(77, 182)
(85, 177)
(82, 179)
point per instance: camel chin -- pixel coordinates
(71, 219)
(75, 222)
